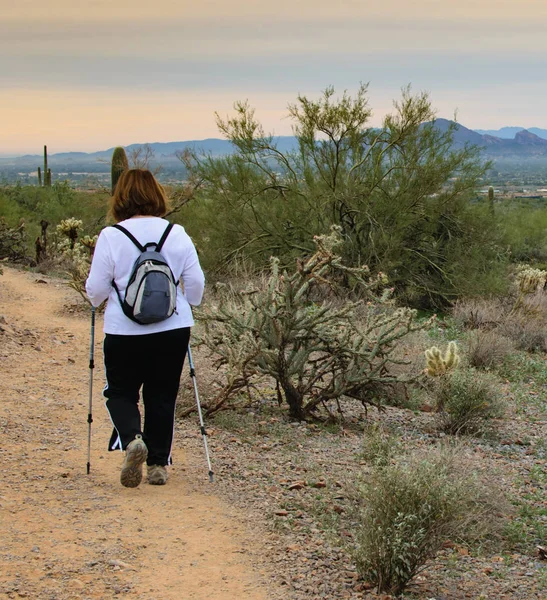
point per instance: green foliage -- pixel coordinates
(119, 165)
(406, 511)
(467, 400)
(12, 241)
(53, 204)
(523, 231)
(316, 349)
(399, 193)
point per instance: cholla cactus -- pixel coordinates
(314, 351)
(437, 364)
(77, 253)
(529, 280)
(78, 269)
(90, 242)
(70, 228)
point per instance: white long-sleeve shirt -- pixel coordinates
(114, 257)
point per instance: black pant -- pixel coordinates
(153, 361)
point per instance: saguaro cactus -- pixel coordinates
(47, 172)
(491, 199)
(44, 225)
(119, 165)
(39, 177)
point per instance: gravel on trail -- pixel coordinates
(68, 535)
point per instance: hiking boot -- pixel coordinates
(157, 475)
(135, 455)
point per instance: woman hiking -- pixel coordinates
(136, 355)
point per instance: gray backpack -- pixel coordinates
(151, 294)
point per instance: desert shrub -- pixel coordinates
(52, 204)
(479, 313)
(405, 512)
(526, 322)
(520, 317)
(380, 446)
(70, 254)
(487, 349)
(527, 334)
(12, 241)
(315, 351)
(523, 230)
(467, 400)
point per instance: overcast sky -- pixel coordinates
(91, 74)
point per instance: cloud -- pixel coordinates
(418, 10)
(266, 73)
(128, 69)
(240, 37)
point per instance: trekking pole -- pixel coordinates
(203, 432)
(91, 367)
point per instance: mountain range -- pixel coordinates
(505, 143)
(510, 132)
(522, 144)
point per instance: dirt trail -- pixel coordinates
(65, 534)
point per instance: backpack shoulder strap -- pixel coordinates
(130, 236)
(164, 237)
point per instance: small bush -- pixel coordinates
(12, 241)
(479, 313)
(487, 349)
(467, 400)
(529, 335)
(379, 446)
(406, 512)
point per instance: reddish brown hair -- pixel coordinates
(137, 193)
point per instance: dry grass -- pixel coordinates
(487, 349)
(480, 313)
(526, 326)
(527, 334)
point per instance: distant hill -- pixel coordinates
(213, 146)
(462, 135)
(524, 143)
(511, 143)
(508, 133)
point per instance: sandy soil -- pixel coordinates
(65, 534)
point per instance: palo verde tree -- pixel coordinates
(400, 193)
